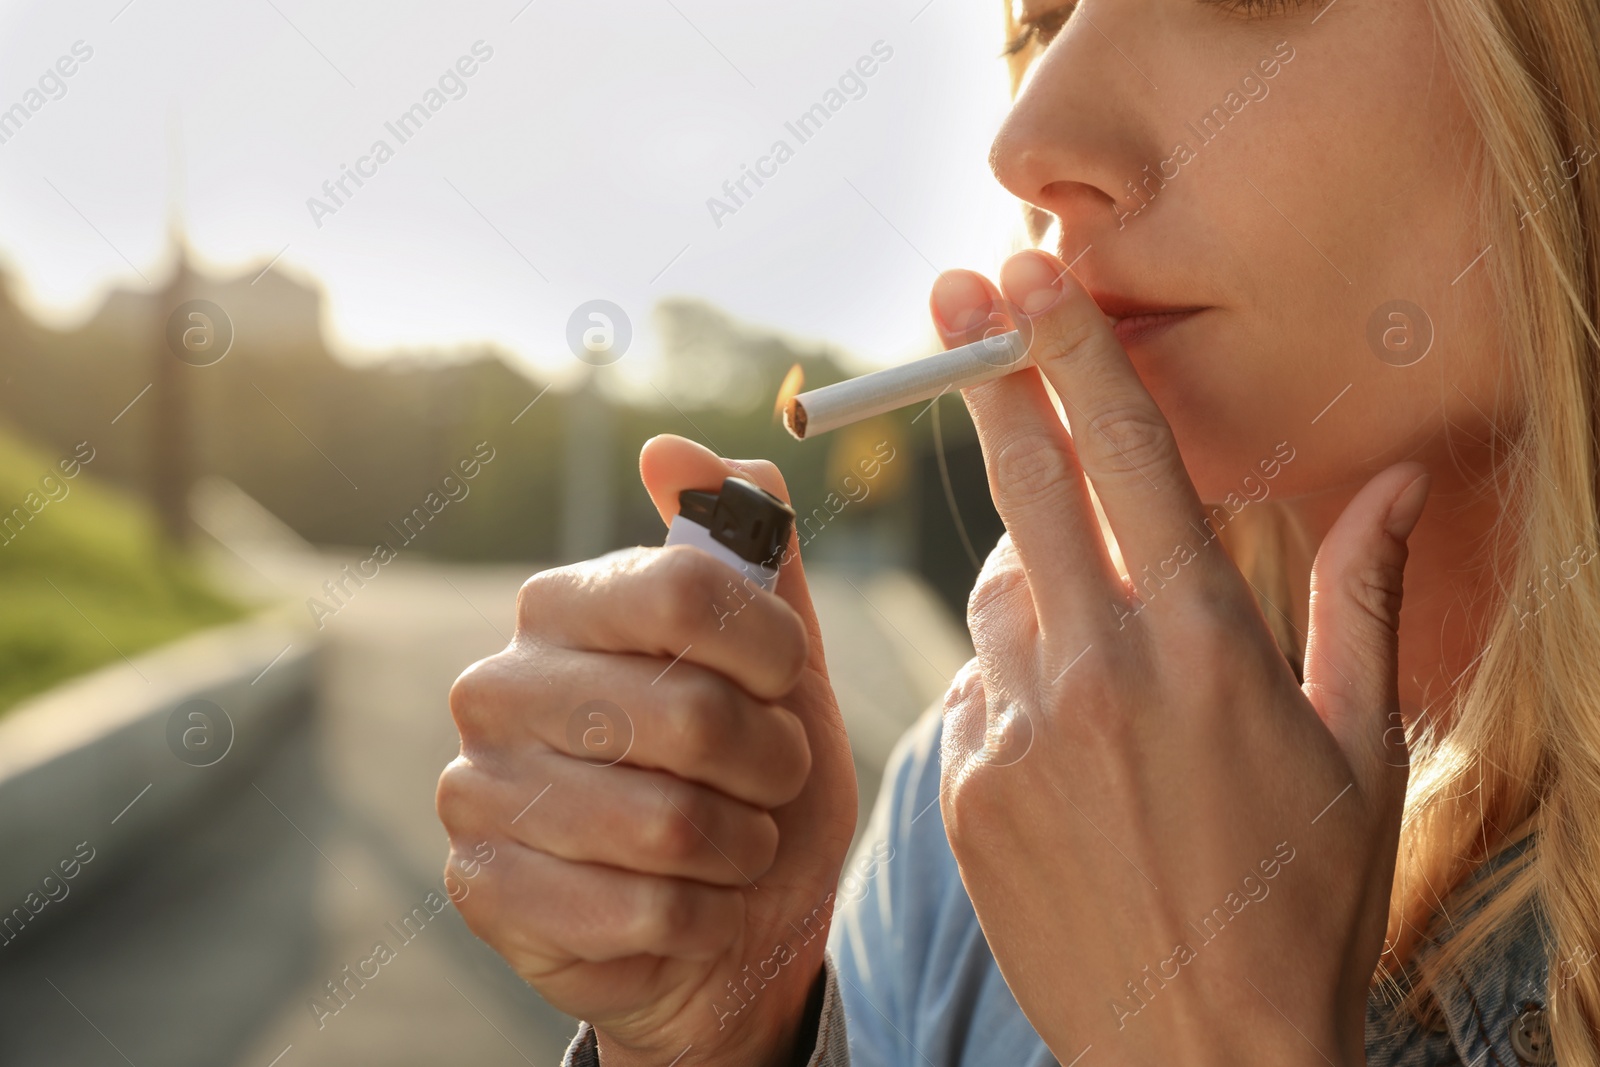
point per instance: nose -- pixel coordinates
(1078, 129)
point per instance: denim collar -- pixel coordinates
(1495, 1010)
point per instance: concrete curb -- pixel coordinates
(96, 768)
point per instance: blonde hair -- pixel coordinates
(1516, 747)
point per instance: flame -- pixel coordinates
(792, 383)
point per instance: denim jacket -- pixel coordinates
(909, 981)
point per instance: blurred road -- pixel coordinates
(212, 952)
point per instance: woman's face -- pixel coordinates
(1270, 177)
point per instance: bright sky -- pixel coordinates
(576, 166)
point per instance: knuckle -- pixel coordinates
(535, 593)
(481, 694)
(761, 847)
(975, 796)
(467, 910)
(686, 588)
(1030, 468)
(1070, 336)
(969, 804)
(668, 833)
(1134, 439)
(466, 696)
(965, 706)
(966, 686)
(662, 909)
(991, 591)
(699, 718)
(764, 473)
(474, 697)
(1000, 581)
(1003, 556)
(454, 794)
(545, 599)
(1374, 587)
(478, 902)
(794, 760)
(796, 646)
(457, 867)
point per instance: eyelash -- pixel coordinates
(1042, 30)
(1259, 8)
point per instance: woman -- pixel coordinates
(1316, 265)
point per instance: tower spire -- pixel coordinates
(170, 459)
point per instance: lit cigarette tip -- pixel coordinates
(794, 418)
(793, 382)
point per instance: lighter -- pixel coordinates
(742, 524)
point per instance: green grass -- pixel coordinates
(89, 578)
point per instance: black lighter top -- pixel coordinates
(752, 523)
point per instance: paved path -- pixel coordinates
(212, 952)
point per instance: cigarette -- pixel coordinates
(842, 403)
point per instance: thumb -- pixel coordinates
(1352, 649)
(669, 464)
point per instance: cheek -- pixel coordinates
(1340, 206)
(1236, 389)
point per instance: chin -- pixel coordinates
(1260, 468)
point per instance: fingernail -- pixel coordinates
(1407, 509)
(958, 301)
(686, 442)
(1032, 281)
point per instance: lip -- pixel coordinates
(1140, 328)
(1135, 321)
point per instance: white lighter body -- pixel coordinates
(682, 531)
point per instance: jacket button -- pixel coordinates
(1530, 1037)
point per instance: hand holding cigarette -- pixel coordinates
(1160, 714)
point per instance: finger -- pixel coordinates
(966, 307)
(669, 464)
(606, 708)
(532, 904)
(1352, 647)
(1034, 477)
(635, 820)
(1124, 442)
(671, 602)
